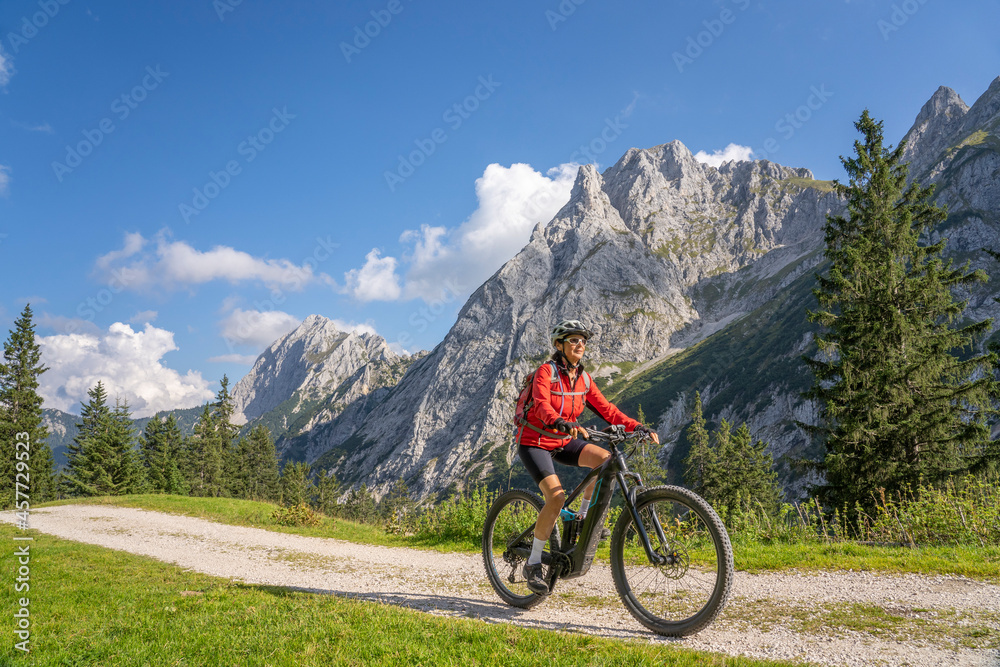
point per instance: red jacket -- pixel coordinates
(559, 400)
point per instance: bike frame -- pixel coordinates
(576, 559)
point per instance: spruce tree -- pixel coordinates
(84, 474)
(227, 432)
(327, 495)
(645, 459)
(898, 406)
(256, 476)
(297, 485)
(102, 459)
(21, 415)
(161, 449)
(699, 465)
(205, 461)
(126, 471)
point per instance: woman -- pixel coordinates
(561, 389)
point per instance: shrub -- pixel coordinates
(296, 515)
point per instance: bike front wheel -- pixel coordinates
(686, 591)
(504, 555)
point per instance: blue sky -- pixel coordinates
(182, 182)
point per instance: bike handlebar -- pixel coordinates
(614, 435)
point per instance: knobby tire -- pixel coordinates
(511, 514)
(687, 594)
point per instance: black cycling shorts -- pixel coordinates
(538, 461)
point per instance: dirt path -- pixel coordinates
(827, 618)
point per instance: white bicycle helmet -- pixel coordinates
(567, 328)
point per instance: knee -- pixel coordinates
(557, 497)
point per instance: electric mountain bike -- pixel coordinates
(671, 559)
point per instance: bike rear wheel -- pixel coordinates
(512, 514)
(686, 594)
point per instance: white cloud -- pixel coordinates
(444, 263)
(730, 152)
(245, 359)
(68, 324)
(6, 68)
(352, 326)
(4, 180)
(375, 281)
(174, 264)
(143, 317)
(256, 329)
(44, 127)
(126, 361)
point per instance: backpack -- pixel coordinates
(525, 401)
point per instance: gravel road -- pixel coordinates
(811, 617)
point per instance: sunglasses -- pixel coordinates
(575, 341)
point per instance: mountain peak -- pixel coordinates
(311, 359)
(932, 130)
(944, 103)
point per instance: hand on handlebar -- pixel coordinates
(572, 428)
(648, 432)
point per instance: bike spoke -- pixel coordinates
(684, 593)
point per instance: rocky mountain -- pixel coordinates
(751, 370)
(317, 375)
(693, 279)
(626, 254)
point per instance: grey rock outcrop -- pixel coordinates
(316, 375)
(623, 254)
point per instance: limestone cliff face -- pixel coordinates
(316, 375)
(623, 255)
(950, 145)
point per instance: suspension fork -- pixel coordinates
(630, 494)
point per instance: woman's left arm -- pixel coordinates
(607, 410)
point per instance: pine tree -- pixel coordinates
(21, 416)
(84, 474)
(205, 463)
(297, 485)
(397, 503)
(645, 459)
(327, 493)
(743, 475)
(125, 468)
(256, 476)
(102, 459)
(361, 506)
(699, 465)
(227, 431)
(898, 406)
(161, 451)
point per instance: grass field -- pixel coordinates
(94, 606)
